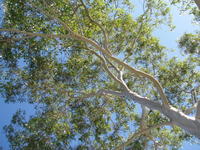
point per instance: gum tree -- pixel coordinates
(88, 66)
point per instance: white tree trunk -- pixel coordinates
(189, 124)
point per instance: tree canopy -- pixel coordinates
(97, 76)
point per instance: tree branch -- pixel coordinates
(144, 101)
(53, 17)
(125, 65)
(108, 54)
(103, 30)
(99, 93)
(8, 39)
(93, 43)
(34, 34)
(116, 69)
(108, 71)
(116, 93)
(139, 133)
(148, 76)
(188, 123)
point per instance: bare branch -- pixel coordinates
(108, 54)
(134, 96)
(34, 34)
(108, 71)
(100, 92)
(116, 93)
(125, 65)
(113, 66)
(103, 91)
(135, 71)
(143, 101)
(141, 132)
(143, 74)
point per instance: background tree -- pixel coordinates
(87, 66)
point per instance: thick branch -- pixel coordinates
(143, 74)
(143, 100)
(189, 124)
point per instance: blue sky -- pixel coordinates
(168, 38)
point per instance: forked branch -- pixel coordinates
(139, 133)
(100, 26)
(109, 55)
(109, 72)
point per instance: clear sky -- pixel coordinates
(168, 39)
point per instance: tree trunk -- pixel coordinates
(189, 124)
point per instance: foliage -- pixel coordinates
(190, 43)
(63, 77)
(189, 6)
